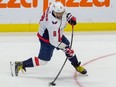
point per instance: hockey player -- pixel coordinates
(52, 24)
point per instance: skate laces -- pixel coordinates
(19, 67)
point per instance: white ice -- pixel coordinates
(96, 51)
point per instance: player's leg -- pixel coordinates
(72, 57)
(45, 54)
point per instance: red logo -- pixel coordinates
(54, 33)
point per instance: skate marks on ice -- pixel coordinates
(20, 44)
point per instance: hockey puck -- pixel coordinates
(52, 84)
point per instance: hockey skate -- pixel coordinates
(16, 67)
(81, 70)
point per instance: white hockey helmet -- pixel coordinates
(58, 7)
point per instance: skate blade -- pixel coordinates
(84, 75)
(12, 68)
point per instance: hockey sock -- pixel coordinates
(32, 62)
(74, 61)
(28, 63)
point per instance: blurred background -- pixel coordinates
(24, 15)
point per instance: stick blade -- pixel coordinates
(52, 84)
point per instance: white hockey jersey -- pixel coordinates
(51, 28)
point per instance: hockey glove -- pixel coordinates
(71, 19)
(69, 52)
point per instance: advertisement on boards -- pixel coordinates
(30, 11)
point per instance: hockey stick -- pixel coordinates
(53, 82)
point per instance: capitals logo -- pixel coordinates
(54, 22)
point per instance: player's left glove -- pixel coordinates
(71, 19)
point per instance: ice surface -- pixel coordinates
(96, 51)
